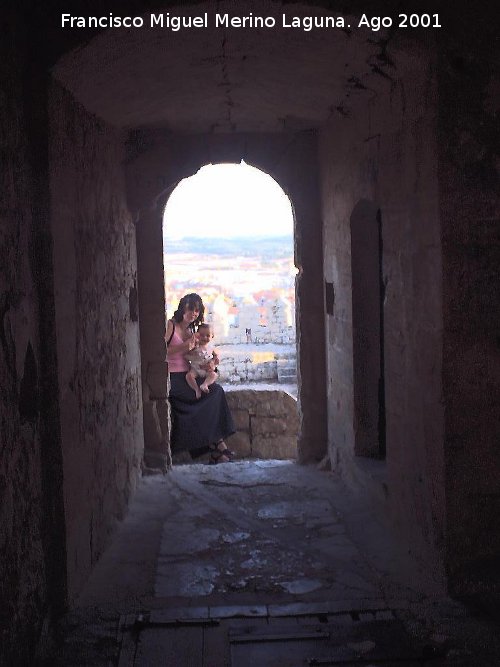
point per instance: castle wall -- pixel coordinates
(158, 160)
(469, 192)
(95, 282)
(266, 423)
(381, 155)
(32, 530)
(422, 148)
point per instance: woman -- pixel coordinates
(198, 424)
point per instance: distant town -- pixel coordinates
(248, 288)
(246, 284)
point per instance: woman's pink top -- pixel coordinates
(176, 361)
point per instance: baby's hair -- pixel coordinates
(203, 325)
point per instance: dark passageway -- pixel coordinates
(272, 562)
(386, 143)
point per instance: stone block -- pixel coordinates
(272, 406)
(154, 461)
(239, 442)
(152, 429)
(257, 402)
(157, 379)
(268, 426)
(280, 447)
(241, 419)
(163, 412)
(274, 403)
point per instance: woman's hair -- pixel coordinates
(191, 302)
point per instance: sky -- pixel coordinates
(228, 200)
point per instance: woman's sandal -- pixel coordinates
(216, 454)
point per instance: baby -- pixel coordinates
(202, 360)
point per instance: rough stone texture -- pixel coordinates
(384, 152)
(470, 215)
(415, 135)
(23, 586)
(247, 67)
(268, 426)
(240, 443)
(290, 158)
(153, 349)
(366, 327)
(270, 446)
(247, 371)
(152, 426)
(32, 557)
(97, 335)
(241, 419)
(267, 423)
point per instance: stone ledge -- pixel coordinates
(267, 423)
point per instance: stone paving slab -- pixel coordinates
(265, 532)
(236, 640)
(206, 548)
(178, 614)
(242, 611)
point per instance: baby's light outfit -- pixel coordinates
(199, 357)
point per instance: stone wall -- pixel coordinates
(23, 573)
(267, 424)
(469, 169)
(244, 363)
(157, 161)
(432, 172)
(382, 151)
(97, 329)
(153, 349)
(379, 146)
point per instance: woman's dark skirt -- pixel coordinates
(197, 423)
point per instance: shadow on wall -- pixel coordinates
(368, 330)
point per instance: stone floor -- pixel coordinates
(263, 563)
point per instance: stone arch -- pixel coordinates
(342, 138)
(148, 202)
(248, 223)
(427, 157)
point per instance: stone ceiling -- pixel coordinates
(224, 79)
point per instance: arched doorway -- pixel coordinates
(367, 158)
(228, 234)
(302, 189)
